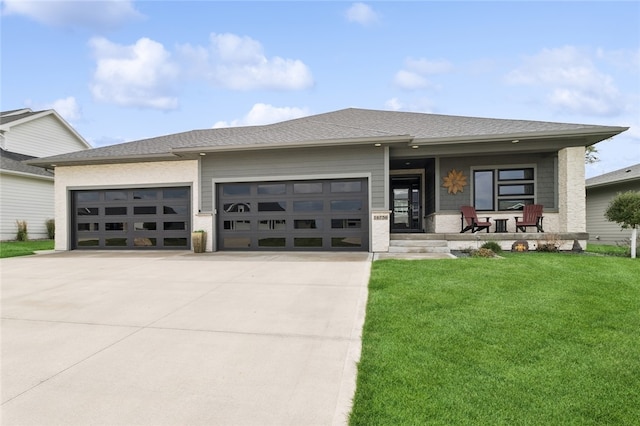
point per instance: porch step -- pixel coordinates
(417, 243)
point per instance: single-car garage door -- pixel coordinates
(293, 215)
(142, 218)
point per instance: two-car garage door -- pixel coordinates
(293, 215)
(141, 218)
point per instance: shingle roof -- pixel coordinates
(350, 124)
(13, 162)
(10, 116)
(617, 176)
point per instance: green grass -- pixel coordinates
(23, 248)
(531, 339)
(609, 250)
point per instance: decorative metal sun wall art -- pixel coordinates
(454, 181)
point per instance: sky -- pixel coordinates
(126, 70)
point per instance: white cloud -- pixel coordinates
(409, 80)
(361, 14)
(265, 114)
(413, 76)
(421, 104)
(239, 63)
(105, 14)
(139, 75)
(572, 80)
(393, 104)
(68, 108)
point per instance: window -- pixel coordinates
(503, 189)
(350, 186)
(272, 189)
(307, 188)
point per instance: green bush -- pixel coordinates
(51, 228)
(493, 246)
(22, 234)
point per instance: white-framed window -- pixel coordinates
(503, 189)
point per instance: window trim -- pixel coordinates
(496, 198)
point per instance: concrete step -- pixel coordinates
(418, 243)
(421, 236)
(405, 249)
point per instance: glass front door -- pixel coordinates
(406, 204)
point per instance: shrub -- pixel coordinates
(22, 234)
(549, 244)
(483, 252)
(493, 246)
(51, 228)
(548, 248)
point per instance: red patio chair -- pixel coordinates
(531, 216)
(471, 218)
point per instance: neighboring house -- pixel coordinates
(600, 191)
(27, 192)
(352, 179)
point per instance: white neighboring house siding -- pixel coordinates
(25, 197)
(42, 137)
(128, 175)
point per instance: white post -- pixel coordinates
(634, 237)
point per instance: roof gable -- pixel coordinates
(9, 119)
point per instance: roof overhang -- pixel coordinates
(587, 135)
(512, 143)
(27, 175)
(52, 163)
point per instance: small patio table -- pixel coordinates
(501, 225)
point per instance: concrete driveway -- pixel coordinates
(175, 338)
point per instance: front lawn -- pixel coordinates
(532, 338)
(23, 248)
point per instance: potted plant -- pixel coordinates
(199, 241)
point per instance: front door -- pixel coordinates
(406, 204)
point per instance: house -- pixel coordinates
(352, 179)
(27, 192)
(600, 191)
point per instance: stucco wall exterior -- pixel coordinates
(135, 175)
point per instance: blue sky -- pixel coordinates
(127, 70)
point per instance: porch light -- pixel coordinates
(515, 141)
(378, 144)
(414, 146)
(202, 154)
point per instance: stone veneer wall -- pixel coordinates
(571, 190)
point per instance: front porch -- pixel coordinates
(446, 242)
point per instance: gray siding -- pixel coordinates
(598, 200)
(294, 162)
(546, 177)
